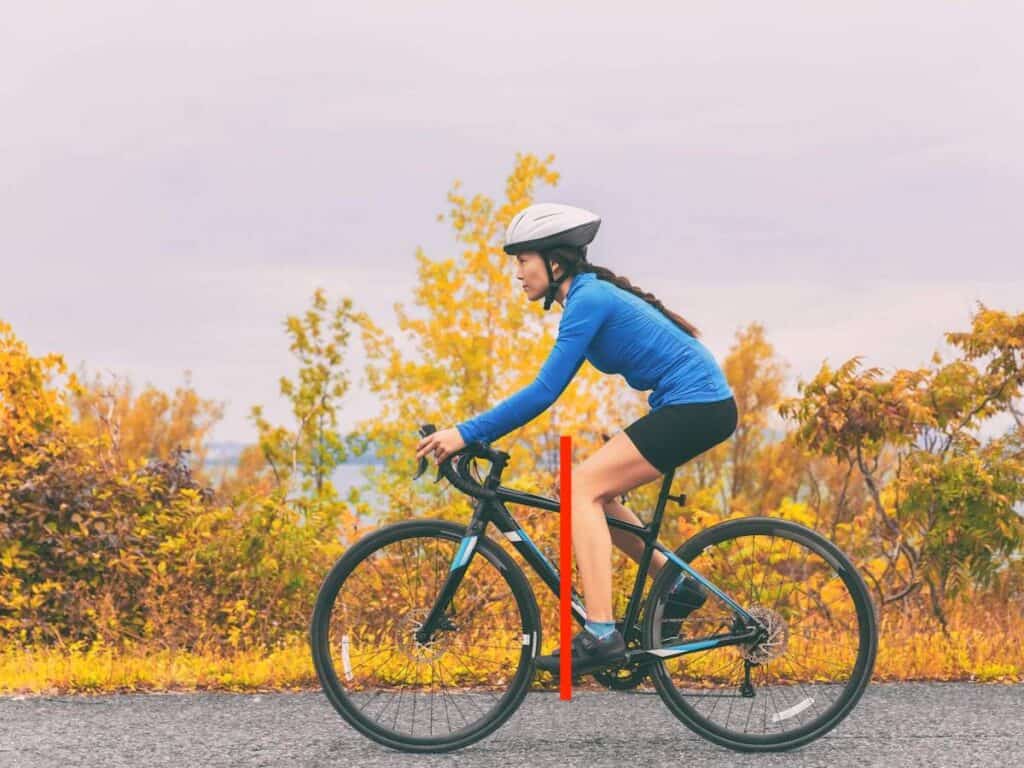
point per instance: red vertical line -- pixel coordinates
(565, 573)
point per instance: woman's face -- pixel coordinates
(530, 271)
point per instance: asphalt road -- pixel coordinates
(895, 724)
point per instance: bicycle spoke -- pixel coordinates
(768, 564)
(831, 641)
(444, 694)
(783, 581)
(819, 658)
(469, 700)
(431, 699)
(404, 560)
(496, 698)
(390, 653)
(455, 703)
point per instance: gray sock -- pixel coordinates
(600, 629)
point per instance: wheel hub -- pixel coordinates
(772, 642)
(410, 647)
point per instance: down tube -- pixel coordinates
(545, 568)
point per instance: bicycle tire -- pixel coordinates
(343, 700)
(867, 634)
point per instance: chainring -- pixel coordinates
(623, 678)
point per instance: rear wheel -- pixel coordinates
(809, 669)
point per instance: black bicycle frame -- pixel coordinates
(490, 508)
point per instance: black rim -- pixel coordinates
(814, 666)
(456, 689)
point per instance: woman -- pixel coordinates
(619, 329)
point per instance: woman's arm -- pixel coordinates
(580, 322)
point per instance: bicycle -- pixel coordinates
(424, 599)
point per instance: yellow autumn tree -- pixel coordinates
(80, 539)
(476, 341)
(940, 496)
(149, 424)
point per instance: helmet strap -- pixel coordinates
(553, 284)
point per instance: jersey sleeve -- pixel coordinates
(580, 322)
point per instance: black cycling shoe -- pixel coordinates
(588, 653)
(681, 602)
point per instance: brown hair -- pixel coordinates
(574, 261)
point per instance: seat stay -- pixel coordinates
(685, 566)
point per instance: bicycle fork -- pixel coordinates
(457, 570)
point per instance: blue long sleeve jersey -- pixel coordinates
(618, 332)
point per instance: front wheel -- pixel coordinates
(449, 691)
(802, 677)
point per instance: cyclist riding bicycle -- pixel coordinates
(619, 329)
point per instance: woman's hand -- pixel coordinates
(441, 444)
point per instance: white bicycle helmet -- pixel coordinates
(543, 226)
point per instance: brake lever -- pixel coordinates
(425, 430)
(421, 468)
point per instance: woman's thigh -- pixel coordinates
(614, 468)
(674, 434)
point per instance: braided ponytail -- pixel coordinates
(574, 261)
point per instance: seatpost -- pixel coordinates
(664, 496)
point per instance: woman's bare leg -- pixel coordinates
(616, 467)
(628, 542)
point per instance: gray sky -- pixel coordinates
(176, 180)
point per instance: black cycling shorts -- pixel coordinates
(674, 434)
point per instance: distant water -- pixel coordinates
(347, 475)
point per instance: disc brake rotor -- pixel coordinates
(773, 644)
(410, 647)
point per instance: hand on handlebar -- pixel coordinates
(441, 444)
(445, 446)
(423, 449)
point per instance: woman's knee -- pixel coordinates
(587, 488)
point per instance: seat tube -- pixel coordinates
(659, 510)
